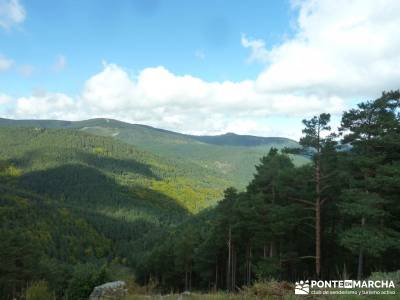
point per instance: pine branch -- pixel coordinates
(323, 201)
(302, 201)
(325, 187)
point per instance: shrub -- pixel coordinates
(84, 278)
(269, 290)
(39, 291)
(267, 269)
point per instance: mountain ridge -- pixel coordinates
(228, 138)
(229, 156)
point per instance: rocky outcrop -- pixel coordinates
(115, 290)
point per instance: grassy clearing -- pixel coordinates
(225, 296)
(271, 290)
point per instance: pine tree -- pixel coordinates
(318, 143)
(372, 131)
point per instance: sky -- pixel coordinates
(202, 67)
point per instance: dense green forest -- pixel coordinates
(336, 217)
(74, 204)
(231, 157)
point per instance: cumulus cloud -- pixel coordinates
(343, 48)
(158, 97)
(60, 64)
(11, 13)
(44, 105)
(5, 63)
(153, 88)
(341, 51)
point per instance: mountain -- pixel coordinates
(70, 156)
(115, 128)
(232, 139)
(232, 157)
(69, 198)
(101, 191)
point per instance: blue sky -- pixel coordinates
(255, 67)
(201, 38)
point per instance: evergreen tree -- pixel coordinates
(373, 132)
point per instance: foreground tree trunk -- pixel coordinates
(360, 256)
(229, 268)
(314, 139)
(318, 220)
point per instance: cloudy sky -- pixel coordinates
(203, 67)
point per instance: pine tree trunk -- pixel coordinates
(186, 280)
(246, 266)
(361, 256)
(216, 275)
(228, 271)
(318, 240)
(233, 261)
(234, 256)
(272, 249)
(190, 279)
(318, 218)
(250, 267)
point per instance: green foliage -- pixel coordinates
(73, 204)
(84, 278)
(20, 253)
(313, 130)
(368, 198)
(374, 240)
(245, 227)
(395, 276)
(11, 171)
(268, 231)
(39, 291)
(269, 290)
(267, 268)
(40, 241)
(223, 160)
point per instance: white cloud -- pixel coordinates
(343, 48)
(60, 64)
(341, 51)
(43, 105)
(114, 90)
(157, 97)
(258, 51)
(11, 13)
(5, 63)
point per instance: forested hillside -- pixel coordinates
(79, 198)
(75, 159)
(69, 199)
(75, 205)
(230, 156)
(336, 217)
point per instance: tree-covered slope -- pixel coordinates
(69, 198)
(231, 156)
(83, 162)
(41, 239)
